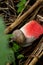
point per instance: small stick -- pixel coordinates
(17, 22)
(36, 11)
(35, 59)
(6, 12)
(36, 52)
(33, 62)
(11, 7)
(4, 8)
(8, 24)
(12, 3)
(40, 55)
(40, 18)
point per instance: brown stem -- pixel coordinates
(17, 22)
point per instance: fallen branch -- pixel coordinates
(17, 22)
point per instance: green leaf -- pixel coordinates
(20, 5)
(24, 1)
(20, 9)
(15, 47)
(6, 54)
(10, 35)
(20, 56)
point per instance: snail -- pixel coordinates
(28, 33)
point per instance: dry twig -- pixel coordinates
(35, 13)
(4, 8)
(36, 53)
(40, 18)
